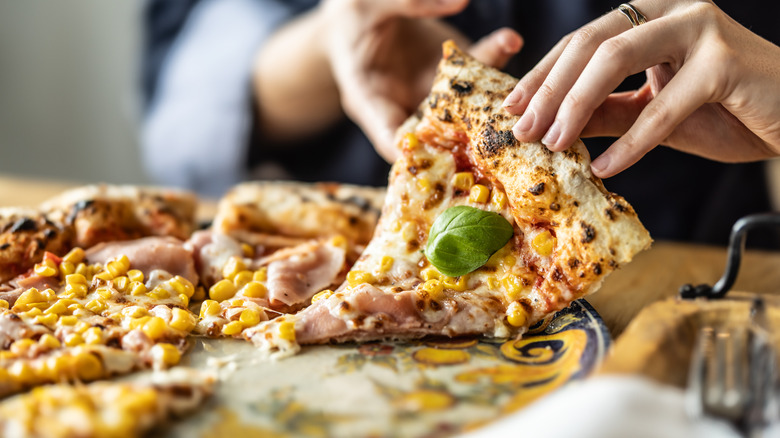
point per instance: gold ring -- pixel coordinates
(632, 13)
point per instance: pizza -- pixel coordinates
(462, 182)
(104, 409)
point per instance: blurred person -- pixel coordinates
(242, 89)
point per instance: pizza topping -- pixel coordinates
(303, 271)
(463, 238)
(147, 254)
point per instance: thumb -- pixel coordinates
(415, 8)
(496, 48)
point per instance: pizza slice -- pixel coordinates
(104, 409)
(479, 234)
(273, 245)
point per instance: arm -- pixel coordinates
(713, 87)
(373, 60)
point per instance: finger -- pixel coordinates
(377, 116)
(412, 8)
(542, 107)
(686, 92)
(517, 100)
(628, 53)
(497, 48)
(618, 112)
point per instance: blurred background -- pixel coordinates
(69, 100)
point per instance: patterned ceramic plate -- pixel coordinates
(426, 388)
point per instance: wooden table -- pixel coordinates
(654, 275)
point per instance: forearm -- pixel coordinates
(292, 81)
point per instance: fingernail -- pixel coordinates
(552, 135)
(513, 98)
(525, 123)
(600, 164)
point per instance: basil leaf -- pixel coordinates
(463, 238)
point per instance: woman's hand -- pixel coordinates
(383, 55)
(713, 87)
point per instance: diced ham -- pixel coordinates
(212, 250)
(150, 253)
(11, 291)
(297, 273)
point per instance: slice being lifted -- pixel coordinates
(568, 231)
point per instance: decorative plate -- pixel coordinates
(426, 388)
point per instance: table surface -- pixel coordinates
(654, 274)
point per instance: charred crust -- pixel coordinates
(24, 224)
(460, 87)
(573, 263)
(619, 207)
(362, 203)
(596, 268)
(412, 169)
(613, 264)
(4, 246)
(526, 305)
(353, 220)
(344, 306)
(78, 207)
(555, 206)
(557, 274)
(610, 214)
(446, 117)
(49, 233)
(588, 233)
(493, 142)
(435, 198)
(435, 305)
(537, 190)
(576, 204)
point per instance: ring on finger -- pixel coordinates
(632, 13)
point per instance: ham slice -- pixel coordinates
(149, 253)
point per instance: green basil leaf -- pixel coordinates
(463, 238)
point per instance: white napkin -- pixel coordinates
(610, 406)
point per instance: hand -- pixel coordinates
(713, 87)
(383, 54)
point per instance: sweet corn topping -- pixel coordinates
(386, 264)
(248, 250)
(513, 286)
(339, 241)
(154, 327)
(182, 320)
(410, 141)
(423, 184)
(135, 275)
(46, 268)
(30, 296)
(434, 288)
(3, 304)
(21, 346)
(516, 315)
(233, 266)
(121, 283)
(242, 278)
(463, 181)
(261, 274)
(118, 266)
(166, 354)
(47, 320)
(498, 199)
(255, 289)
(159, 293)
(67, 268)
(222, 290)
(544, 243)
(93, 336)
(73, 340)
(287, 331)
(49, 342)
(209, 308)
(68, 320)
(185, 300)
(137, 288)
(493, 283)
(250, 317)
(75, 256)
(96, 306)
(431, 273)
(182, 286)
(409, 231)
(479, 194)
(232, 328)
(88, 366)
(456, 283)
(355, 278)
(321, 295)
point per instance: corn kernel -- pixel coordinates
(200, 294)
(136, 288)
(93, 336)
(159, 293)
(254, 289)
(339, 241)
(134, 312)
(21, 346)
(509, 260)
(423, 184)
(434, 289)
(138, 323)
(118, 266)
(6, 355)
(182, 286)
(321, 295)
(182, 320)
(3, 304)
(21, 372)
(479, 194)
(233, 266)
(493, 283)
(154, 327)
(185, 300)
(232, 328)
(242, 278)
(463, 181)
(57, 366)
(410, 141)
(67, 268)
(88, 366)
(46, 268)
(287, 331)
(83, 270)
(409, 231)
(77, 290)
(96, 306)
(544, 243)
(73, 340)
(386, 264)
(32, 313)
(68, 320)
(355, 278)
(49, 342)
(75, 256)
(513, 287)
(166, 354)
(135, 275)
(222, 290)
(76, 278)
(430, 273)
(121, 283)
(459, 284)
(250, 317)
(516, 315)
(236, 303)
(104, 293)
(498, 199)
(261, 274)
(81, 327)
(47, 320)
(247, 250)
(30, 296)
(209, 308)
